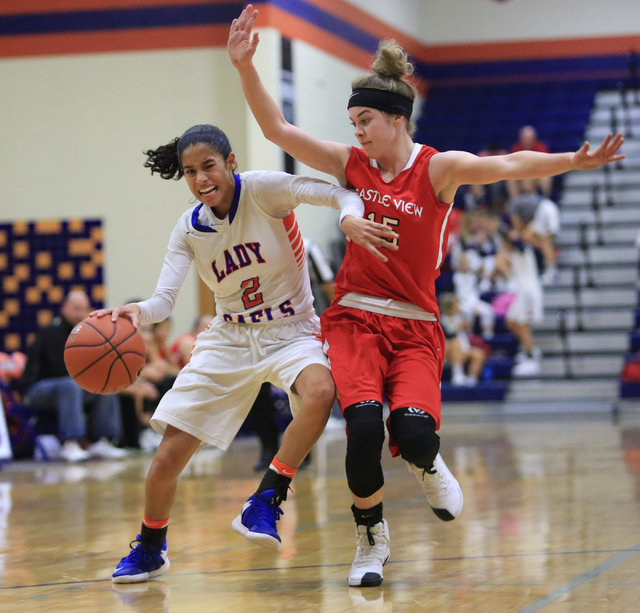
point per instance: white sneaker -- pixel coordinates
(549, 277)
(529, 367)
(523, 356)
(106, 450)
(372, 553)
(443, 491)
(72, 452)
(459, 379)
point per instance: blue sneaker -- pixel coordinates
(257, 520)
(143, 562)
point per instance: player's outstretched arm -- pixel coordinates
(130, 311)
(325, 156)
(451, 169)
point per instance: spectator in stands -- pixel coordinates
(465, 283)
(182, 346)
(477, 239)
(517, 262)
(48, 385)
(541, 229)
(459, 352)
(528, 141)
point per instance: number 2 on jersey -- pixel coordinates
(387, 221)
(251, 297)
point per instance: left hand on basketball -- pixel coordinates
(130, 311)
(583, 159)
(370, 235)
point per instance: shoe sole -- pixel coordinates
(142, 577)
(264, 540)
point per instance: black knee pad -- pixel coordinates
(414, 431)
(365, 437)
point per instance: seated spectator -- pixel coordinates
(538, 218)
(183, 345)
(48, 384)
(478, 239)
(459, 352)
(528, 141)
(465, 283)
(517, 262)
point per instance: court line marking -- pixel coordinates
(622, 555)
(576, 582)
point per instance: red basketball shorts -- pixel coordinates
(376, 356)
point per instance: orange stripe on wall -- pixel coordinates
(532, 49)
(372, 25)
(293, 27)
(114, 41)
(290, 26)
(13, 7)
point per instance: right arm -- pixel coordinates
(324, 156)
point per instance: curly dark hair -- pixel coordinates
(166, 160)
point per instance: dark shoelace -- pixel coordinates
(370, 538)
(141, 552)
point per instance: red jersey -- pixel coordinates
(410, 206)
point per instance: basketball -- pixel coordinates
(103, 356)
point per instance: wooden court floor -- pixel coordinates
(551, 523)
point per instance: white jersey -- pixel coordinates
(253, 260)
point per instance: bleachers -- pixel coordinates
(473, 117)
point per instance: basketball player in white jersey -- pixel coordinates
(247, 247)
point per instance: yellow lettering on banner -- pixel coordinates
(44, 317)
(43, 259)
(21, 249)
(10, 285)
(32, 295)
(48, 226)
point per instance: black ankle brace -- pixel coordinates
(367, 517)
(153, 536)
(277, 482)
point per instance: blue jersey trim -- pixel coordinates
(232, 211)
(236, 199)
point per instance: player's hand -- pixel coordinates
(584, 159)
(130, 311)
(370, 235)
(241, 44)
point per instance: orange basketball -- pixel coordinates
(103, 356)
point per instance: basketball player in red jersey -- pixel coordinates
(381, 331)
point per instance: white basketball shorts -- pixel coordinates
(214, 392)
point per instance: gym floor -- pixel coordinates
(551, 523)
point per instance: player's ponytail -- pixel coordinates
(167, 159)
(164, 160)
(389, 71)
